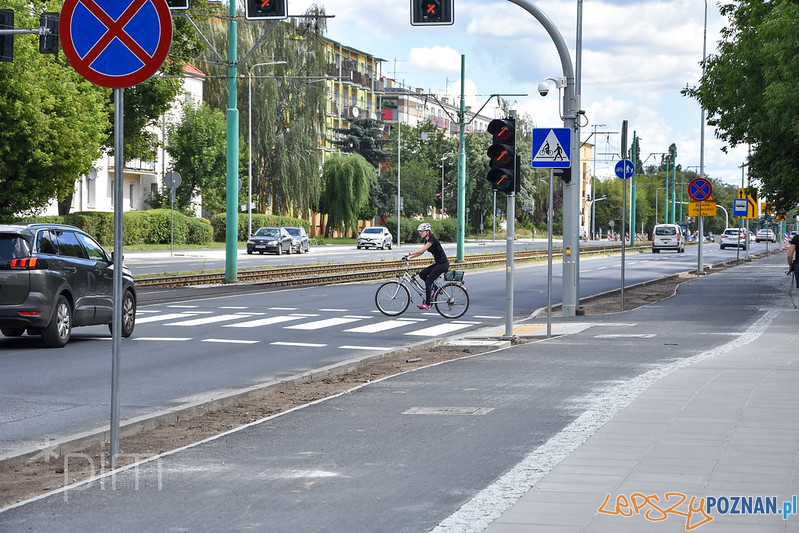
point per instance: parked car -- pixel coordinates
(765, 235)
(376, 236)
(734, 237)
(55, 277)
(667, 237)
(300, 241)
(274, 240)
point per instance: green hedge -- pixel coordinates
(259, 220)
(139, 227)
(445, 230)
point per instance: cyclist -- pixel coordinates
(429, 274)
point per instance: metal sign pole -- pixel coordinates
(509, 266)
(116, 334)
(623, 206)
(550, 216)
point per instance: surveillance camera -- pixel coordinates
(543, 88)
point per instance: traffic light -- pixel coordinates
(563, 173)
(502, 155)
(177, 4)
(266, 10)
(432, 13)
(48, 44)
(7, 41)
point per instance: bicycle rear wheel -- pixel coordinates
(392, 298)
(452, 300)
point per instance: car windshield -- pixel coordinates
(267, 232)
(12, 247)
(666, 230)
(731, 232)
(294, 232)
(373, 230)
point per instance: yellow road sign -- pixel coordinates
(746, 205)
(701, 209)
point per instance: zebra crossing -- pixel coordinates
(191, 323)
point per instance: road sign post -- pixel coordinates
(116, 45)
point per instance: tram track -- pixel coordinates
(324, 274)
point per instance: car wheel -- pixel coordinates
(12, 332)
(655, 251)
(307, 248)
(128, 315)
(56, 334)
(262, 252)
(249, 252)
(389, 245)
(722, 246)
(279, 250)
(290, 249)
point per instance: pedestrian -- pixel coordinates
(793, 258)
(430, 273)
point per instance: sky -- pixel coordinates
(636, 57)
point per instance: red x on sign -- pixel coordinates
(116, 43)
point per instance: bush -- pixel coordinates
(138, 227)
(445, 230)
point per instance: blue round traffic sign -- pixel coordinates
(700, 190)
(116, 43)
(624, 169)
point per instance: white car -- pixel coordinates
(375, 236)
(765, 235)
(734, 237)
(668, 237)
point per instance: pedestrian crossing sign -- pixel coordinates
(551, 148)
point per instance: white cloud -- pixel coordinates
(436, 59)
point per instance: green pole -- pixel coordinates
(232, 215)
(462, 165)
(632, 194)
(666, 201)
(673, 185)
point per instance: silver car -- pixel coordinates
(55, 277)
(375, 236)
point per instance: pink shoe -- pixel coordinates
(423, 306)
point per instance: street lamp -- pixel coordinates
(593, 213)
(249, 140)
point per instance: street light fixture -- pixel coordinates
(249, 140)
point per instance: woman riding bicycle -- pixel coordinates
(431, 273)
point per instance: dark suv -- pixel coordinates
(54, 277)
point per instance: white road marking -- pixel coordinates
(158, 318)
(231, 341)
(381, 326)
(441, 329)
(262, 322)
(308, 344)
(161, 338)
(371, 348)
(206, 320)
(326, 323)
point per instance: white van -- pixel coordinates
(667, 237)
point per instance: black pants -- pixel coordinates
(429, 275)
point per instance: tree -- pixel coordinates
(364, 136)
(288, 104)
(53, 123)
(749, 91)
(197, 145)
(347, 182)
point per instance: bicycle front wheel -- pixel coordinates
(452, 300)
(392, 298)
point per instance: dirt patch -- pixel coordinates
(20, 482)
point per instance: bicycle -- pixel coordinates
(449, 298)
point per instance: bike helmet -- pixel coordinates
(424, 226)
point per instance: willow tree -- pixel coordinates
(347, 182)
(288, 106)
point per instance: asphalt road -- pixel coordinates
(404, 453)
(199, 344)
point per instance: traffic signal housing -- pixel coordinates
(564, 174)
(503, 175)
(432, 13)
(7, 41)
(266, 10)
(48, 44)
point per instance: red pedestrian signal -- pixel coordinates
(504, 173)
(266, 10)
(432, 12)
